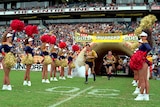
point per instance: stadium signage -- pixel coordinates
(65, 10)
(106, 37)
(155, 7)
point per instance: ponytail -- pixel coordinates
(26, 41)
(149, 38)
(43, 46)
(4, 37)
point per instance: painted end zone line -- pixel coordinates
(69, 98)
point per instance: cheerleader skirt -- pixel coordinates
(63, 63)
(57, 62)
(47, 60)
(9, 60)
(72, 65)
(137, 60)
(28, 59)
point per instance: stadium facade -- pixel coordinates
(73, 11)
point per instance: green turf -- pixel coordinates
(37, 96)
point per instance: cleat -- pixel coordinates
(86, 82)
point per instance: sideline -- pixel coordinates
(69, 98)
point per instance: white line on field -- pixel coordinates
(69, 98)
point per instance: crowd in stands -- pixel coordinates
(65, 32)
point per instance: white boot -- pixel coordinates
(69, 76)
(43, 81)
(55, 79)
(25, 83)
(135, 84)
(29, 83)
(140, 97)
(4, 87)
(146, 97)
(9, 87)
(134, 81)
(63, 78)
(60, 78)
(51, 79)
(137, 91)
(47, 81)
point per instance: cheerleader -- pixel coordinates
(46, 61)
(109, 60)
(140, 63)
(8, 58)
(62, 58)
(70, 63)
(90, 55)
(136, 76)
(135, 80)
(28, 60)
(55, 62)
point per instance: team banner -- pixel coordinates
(129, 41)
(106, 37)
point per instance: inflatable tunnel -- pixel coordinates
(103, 48)
(125, 47)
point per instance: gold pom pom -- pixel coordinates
(152, 18)
(47, 60)
(63, 63)
(147, 21)
(57, 62)
(28, 59)
(134, 46)
(138, 31)
(9, 60)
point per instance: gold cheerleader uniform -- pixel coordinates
(28, 59)
(54, 57)
(63, 61)
(70, 62)
(9, 58)
(47, 59)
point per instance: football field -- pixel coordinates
(116, 92)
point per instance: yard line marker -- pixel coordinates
(69, 98)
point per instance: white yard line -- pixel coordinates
(69, 98)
